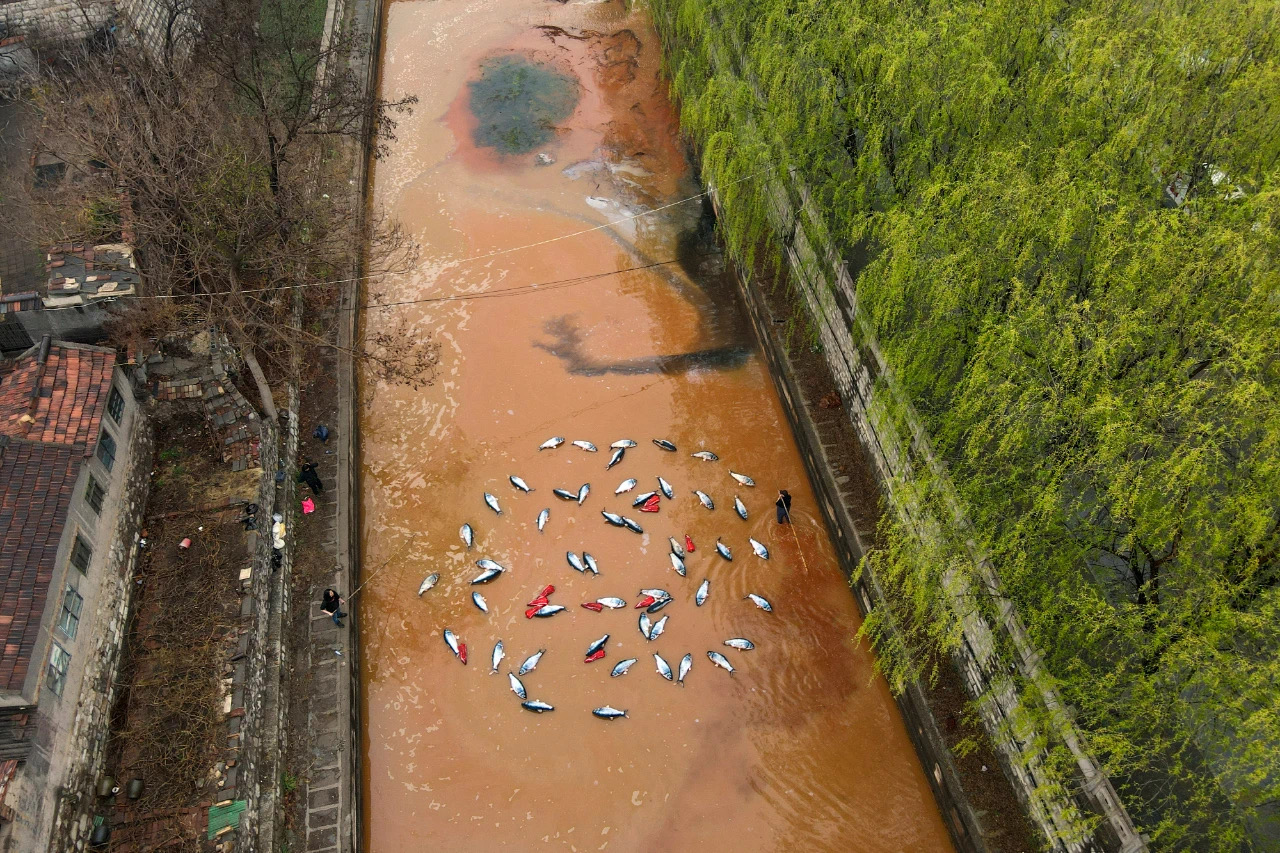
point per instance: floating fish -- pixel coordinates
(583, 491)
(593, 606)
(613, 518)
(517, 686)
(761, 551)
(760, 602)
(492, 503)
(723, 550)
(542, 519)
(564, 494)
(478, 600)
(658, 628)
(594, 656)
(664, 444)
(597, 645)
(676, 547)
(611, 603)
(740, 643)
(459, 649)
(486, 576)
(531, 662)
(585, 445)
(519, 483)
(488, 565)
(468, 536)
(537, 706)
(705, 455)
(644, 498)
(659, 594)
(704, 589)
(551, 443)
(631, 525)
(658, 605)
(548, 610)
(740, 508)
(686, 664)
(720, 661)
(498, 654)
(575, 562)
(645, 601)
(541, 597)
(705, 498)
(592, 565)
(663, 668)
(666, 489)
(742, 478)
(622, 667)
(678, 565)
(623, 443)
(616, 457)
(646, 625)
(688, 544)
(625, 486)
(428, 582)
(607, 713)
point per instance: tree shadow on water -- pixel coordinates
(567, 345)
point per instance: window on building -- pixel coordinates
(93, 495)
(115, 404)
(69, 621)
(81, 554)
(59, 663)
(106, 450)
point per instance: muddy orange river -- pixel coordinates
(574, 292)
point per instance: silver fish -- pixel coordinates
(468, 536)
(585, 445)
(564, 494)
(622, 667)
(451, 640)
(664, 444)
(498, 654)
(658, 628)
(488, 564)
(486, 576)
(517, 686)
(623, 443)
(705, 498)
(742, 478)
(720, 661)
(686, 664)
(676, 547)
(631, 525)
(761, 551)
(613, 518)
(723, 550)
(548, 610)
(583, 492)
(646, 625)
(428, 582)
(478, 600)
(607, 713)
(551, 443)
(575, 562)
(592, 565)
(657, 605)
(519, 483)
(642, 498)
(704, 589)
(760, 602)
(740, 643)
(663, 668)
(615, 457)
(659, 594)
(625, 486)
(542, 519)
(705, 455)
(611, 603)
(492, 503)
(596, 645)
(740, 508)
(537, 706)
(531, 662)
(678, 565)
(666, 489)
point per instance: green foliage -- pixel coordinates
(1098, 368)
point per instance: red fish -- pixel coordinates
(651, 505)
(645, 601)
(528, 614)
(540, 601)
(550, 589)
(462, 652)
(594, 605)
(596, 655)
(688, 544)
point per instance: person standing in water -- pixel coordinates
(783, 503)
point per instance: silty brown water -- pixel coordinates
(801, 748)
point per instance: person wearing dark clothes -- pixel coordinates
(307, 474)
(784, 507)
(332, 603)
(322, 433)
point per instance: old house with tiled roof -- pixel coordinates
(74, 461)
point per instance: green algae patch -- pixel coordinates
(518, 103)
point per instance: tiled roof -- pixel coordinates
(36, 483)
(58, 398)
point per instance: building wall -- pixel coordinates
(57, 19)
(53, 791)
